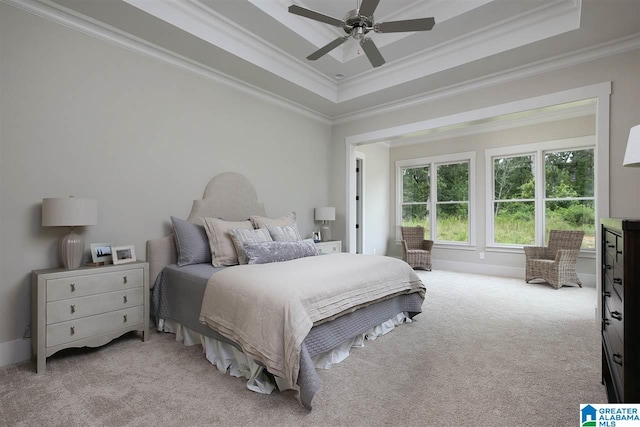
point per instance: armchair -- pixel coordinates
(555, 263)
(416, 250)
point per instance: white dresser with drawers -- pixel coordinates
(329, 247)
(87, 307)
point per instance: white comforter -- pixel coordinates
(269, 308)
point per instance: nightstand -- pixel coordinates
(332, 246)
(87, 307)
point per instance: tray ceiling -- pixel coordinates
(259, 44)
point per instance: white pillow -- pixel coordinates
(262, 221)
(288, 233)
(222, 250)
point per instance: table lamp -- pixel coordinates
(70, 212)
(632, 155)
(325, 214)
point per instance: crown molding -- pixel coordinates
(584, 109)
(99, 30)
(545, 21)
(205, 23)
(581, 56)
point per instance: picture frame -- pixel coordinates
(101, 253)
(123, 254)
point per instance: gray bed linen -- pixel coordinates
(177, 295)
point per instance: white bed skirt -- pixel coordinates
(227, 358)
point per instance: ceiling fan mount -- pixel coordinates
(357, 23)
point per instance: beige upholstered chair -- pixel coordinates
(555, 263)
(416, 251)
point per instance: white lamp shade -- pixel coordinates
(325, 214)
(632, 155)
(69, 211)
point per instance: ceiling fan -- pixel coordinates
(358, 23)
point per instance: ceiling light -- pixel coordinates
(339, 76)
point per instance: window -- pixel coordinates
(434, 193)
(452, 202)
(541, 187)
(416, 197)
(514, 200)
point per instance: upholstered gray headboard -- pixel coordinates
(230, 196)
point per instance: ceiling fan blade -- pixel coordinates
(368, 7)
(307, 13)
(422, 24)
(327, 48)
(372, 52)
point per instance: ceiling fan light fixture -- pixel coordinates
(358, 23)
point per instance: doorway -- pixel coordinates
(359, 203)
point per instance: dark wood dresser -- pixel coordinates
(621, 309)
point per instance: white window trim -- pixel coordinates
(468, 156)
(538, 149)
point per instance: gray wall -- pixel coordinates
(623, 70)
(79, 116)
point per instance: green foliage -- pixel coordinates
(415, 184)
(453, 182)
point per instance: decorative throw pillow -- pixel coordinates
(222, 250)
(266, 252)
(191, 242)
(262, 221)
(288, 233)
(241, 236)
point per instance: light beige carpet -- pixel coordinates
(485, 352)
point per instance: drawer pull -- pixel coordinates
(124, 280)
(72, 330)
(124, 318)
(73, 308)
(616, 315)
(607, 266)
(617, 359)
(124, 298)
(619, 252)
(605, 323)
(617, 280)
(611, 246)
(606, 294)
(73, 287)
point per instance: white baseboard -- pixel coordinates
(14, 351)
(588, 280)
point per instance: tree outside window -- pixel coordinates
(568, 201)
(416, 190)
(450, 191)
(452, 205)
(514, 200)
(569, 193)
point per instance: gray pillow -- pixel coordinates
(288, 233)
(266, 252)
(240, 236)
(191, 242)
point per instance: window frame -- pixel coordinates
(432, 162)
(538, 149)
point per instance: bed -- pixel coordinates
(332, 301)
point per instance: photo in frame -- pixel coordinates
(101, 253)
(123, 254)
